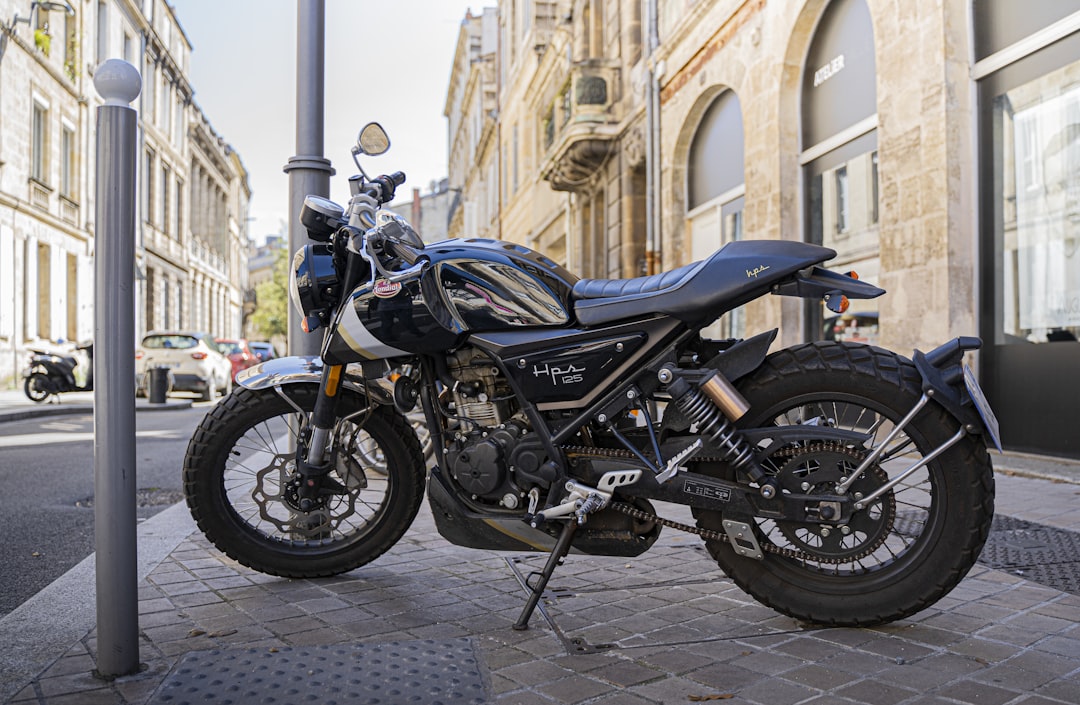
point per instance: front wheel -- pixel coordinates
(242, 487)
(905, 550)
(37, 387)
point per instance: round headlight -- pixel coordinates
(313, 281)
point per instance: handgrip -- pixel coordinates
(383, 187)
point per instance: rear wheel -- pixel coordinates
(37, 387)
(242, 486)
(905, 550)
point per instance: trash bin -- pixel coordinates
(157, 384)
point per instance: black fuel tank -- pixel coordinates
(471, 286)
(475, 285)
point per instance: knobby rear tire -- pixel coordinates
(957, 489)
(221, 456)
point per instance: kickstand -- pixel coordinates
(562, 547)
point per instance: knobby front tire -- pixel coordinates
(240, 483)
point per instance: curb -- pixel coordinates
(60, 410)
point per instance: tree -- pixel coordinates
(271, 316)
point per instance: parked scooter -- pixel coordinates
(50, 373)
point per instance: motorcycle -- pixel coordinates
(836, 482)
(48, 374)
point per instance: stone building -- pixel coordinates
(472, 112)
(193, 193)
(929, 142)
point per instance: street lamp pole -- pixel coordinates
(309, 171)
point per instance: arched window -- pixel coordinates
(716, 189)
(839, 157)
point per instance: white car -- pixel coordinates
(194, 360)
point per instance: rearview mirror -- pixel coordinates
(373, 140)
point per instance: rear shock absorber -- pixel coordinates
(714, 406)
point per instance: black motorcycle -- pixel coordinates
(49, 374)
(836, 482)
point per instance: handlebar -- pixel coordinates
(382, 188)
(406, 252)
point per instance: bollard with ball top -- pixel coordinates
(118, 83)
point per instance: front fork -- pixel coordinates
(312, 460)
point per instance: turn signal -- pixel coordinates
(198, 355)
(853, 274)
(844, 304)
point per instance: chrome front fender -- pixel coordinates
(308, 370)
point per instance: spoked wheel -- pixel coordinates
(243, 489)
(36, 387)
(907, 548)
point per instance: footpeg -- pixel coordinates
(584, 500)
(742, 539)
(675, 464)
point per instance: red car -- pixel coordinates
(238, 352)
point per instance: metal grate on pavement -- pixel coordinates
(432, 672)
(1042, 554)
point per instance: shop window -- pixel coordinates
(1028, 72)
(841, 200)
(716, 191)
(839, 147)
(1037, 162)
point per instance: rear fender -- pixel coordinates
(308, 370)
(818, 283)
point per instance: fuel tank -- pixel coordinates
(471, 285)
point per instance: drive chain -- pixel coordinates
(709, 534)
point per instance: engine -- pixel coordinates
(490, 437)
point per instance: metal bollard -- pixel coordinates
(119, 83)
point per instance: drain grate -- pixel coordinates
(432, 672)
(1039, 553)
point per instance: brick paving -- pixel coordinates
(665, 627)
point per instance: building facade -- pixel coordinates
(193, 193)
(928, 142)
(428, 212)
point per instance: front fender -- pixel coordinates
(308, 370)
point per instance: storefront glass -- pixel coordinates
(1030, 219)
(716, 192)
(840, 159)
(1037, 194)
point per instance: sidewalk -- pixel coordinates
(432, 621)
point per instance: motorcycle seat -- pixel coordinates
(702, 291)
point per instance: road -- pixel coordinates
(47, 480)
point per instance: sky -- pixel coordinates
(386, 60)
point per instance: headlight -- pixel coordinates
(313, 284)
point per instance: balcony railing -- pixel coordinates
(581, 126)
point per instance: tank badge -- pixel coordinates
(386, 289)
